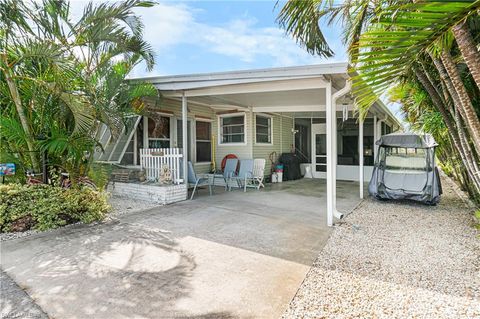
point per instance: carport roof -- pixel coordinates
(336, 72)
(194, 81)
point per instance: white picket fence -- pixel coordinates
(152, 160)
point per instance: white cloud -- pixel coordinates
(167, 25)
(170, 24)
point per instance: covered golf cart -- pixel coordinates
(405, 169)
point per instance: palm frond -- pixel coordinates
(300, 19)
(390, 47)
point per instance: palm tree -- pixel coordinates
(468, 47)
(385, 41)
(300, 19)
(390, 48)
(66, 75)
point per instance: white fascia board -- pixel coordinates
(242, 86)
(270, 86)
(178, 87)
(295, 71)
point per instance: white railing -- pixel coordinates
(152, 160)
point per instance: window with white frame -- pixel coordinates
(263, 129)
(203, 143)
(159, 132)
(232, 129)
(179, 137)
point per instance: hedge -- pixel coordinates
(44, 207)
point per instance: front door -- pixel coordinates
(319, 150)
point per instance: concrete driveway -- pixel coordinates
(232, 255)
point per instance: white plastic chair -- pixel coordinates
(258, 173)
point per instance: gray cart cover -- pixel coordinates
(405, 168)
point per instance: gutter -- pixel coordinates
(340, 93)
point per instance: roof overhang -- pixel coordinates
(286, 89)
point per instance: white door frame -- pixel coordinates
(320, 128)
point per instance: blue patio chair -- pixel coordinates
(195, 181)
(245, 173)
(229, 170)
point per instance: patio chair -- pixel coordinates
(258, 174)
(195, 181)
(229, 171)
(244, 174)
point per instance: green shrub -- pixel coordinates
(44, 207)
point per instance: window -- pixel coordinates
(402, 159)
(348, 142)
(159, 132)
(203, 132)
(232, 129)
(263, 129)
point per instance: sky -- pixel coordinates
(208, 36)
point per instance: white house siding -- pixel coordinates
(282, 137)
(242, 151)
(194, 110)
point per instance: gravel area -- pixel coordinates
(16, 303)
(397, 260)
(120, 205)
(123, 205)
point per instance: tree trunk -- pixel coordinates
(470, 117)
(448, 122)
(468, 158)
(23, 118)
(468, 47)
(437, 100)
(472, 166)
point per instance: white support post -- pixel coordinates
(185, 138)
(331, 182)
(375, 137)
(335, 155)
(360, 156)
(379, 128)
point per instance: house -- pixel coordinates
(259, 114)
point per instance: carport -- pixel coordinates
(323, 90)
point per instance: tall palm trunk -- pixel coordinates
(467, 110)
(21, 115)
(472, 166)
(441, 107)
(464, 146)
(469, 50)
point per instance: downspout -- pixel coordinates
(335, 96)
